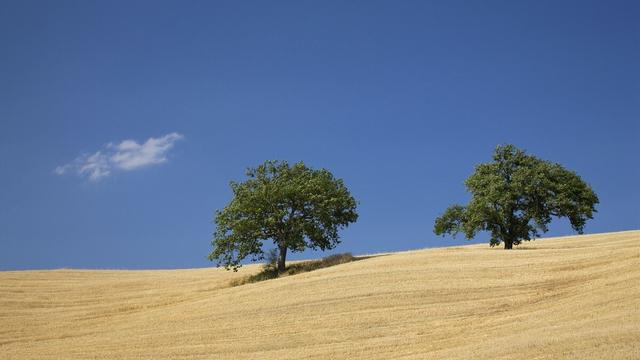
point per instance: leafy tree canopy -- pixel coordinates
(295, 207)
(515, 197)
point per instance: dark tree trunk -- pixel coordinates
(508, 244)
(281, 259)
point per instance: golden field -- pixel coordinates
(571, 297)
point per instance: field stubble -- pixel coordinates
(571, 297)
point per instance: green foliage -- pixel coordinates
(295, 207)
(515, 197)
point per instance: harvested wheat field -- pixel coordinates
(571, 297)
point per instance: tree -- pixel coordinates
(514, 198)
(296, 207)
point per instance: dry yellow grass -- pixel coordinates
(572, 297)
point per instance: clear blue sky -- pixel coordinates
(400, 99)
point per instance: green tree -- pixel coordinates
(296, 207)
(514, 198)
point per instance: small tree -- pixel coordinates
(294, 206)
(514, 198)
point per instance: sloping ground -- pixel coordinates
(572, 297)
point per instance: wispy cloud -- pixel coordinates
(126, 155)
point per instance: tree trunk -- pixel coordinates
(281, 259)
(508, 244)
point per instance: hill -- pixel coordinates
(570, 297)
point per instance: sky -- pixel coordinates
(122, 122)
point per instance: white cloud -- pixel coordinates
(126, 155)
(130, 155)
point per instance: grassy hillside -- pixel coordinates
(572, 297)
